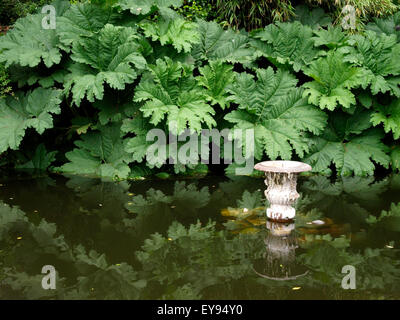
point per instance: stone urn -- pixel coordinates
(281, 181)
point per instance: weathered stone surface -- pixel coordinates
(281, 181)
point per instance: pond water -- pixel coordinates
(197, 239)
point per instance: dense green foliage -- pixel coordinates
(11, 10)
(4, 82)
(93, 87)
(193, 9)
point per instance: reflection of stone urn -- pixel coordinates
(279, 261)
(281, 181)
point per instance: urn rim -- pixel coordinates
(283, 166)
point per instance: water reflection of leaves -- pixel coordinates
(183, 260)
(104, 198)
(348, 198)
(362, 188)
(198, 255)
(102, 280)
(27, 247)
(250, 200)
(186, 198)
(184, 204)
(376, 268)
(383, 229)
(391, 218)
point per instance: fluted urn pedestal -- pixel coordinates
(281, 181)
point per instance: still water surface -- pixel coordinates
(197, 239)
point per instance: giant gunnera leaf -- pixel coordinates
(333, 81)
(99, 153)
(22, 111)
(178, 32)
(29, 44)
(112, 57)
(388, 25)
(83, 20)
(395, 158)
(274, 108)
(219, 44)
(137, 146)
(315, 18)
(112, 110)
(350, 144)
(389, 116)
(170, 91)
(41, 159)
(332, 37)
(379, 57)
(215, 78)
(286, 43)
(30, 76)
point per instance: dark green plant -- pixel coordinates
(193, 9)
(5, 80)
(11, 10)
(253, 14)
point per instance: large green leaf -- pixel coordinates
(286, 43)
(350, 145)
(379, 56)
(395, 158)
(136, 146)
(333, 79)
(389, 116)
(111, 110)
(30, 76)
(273, 106)
(99, 153)
(386, 25)
(28, 44)
(41, 159)
(333, 37)
(83, 20)
(113, 57)
(215, 77)
(178, 32)
(171, 91)
(219, 44)
(32, 110)
(314, 18)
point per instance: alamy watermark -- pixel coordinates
(349, 19)
(49, 20)
(349, 280)
(49, 280)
